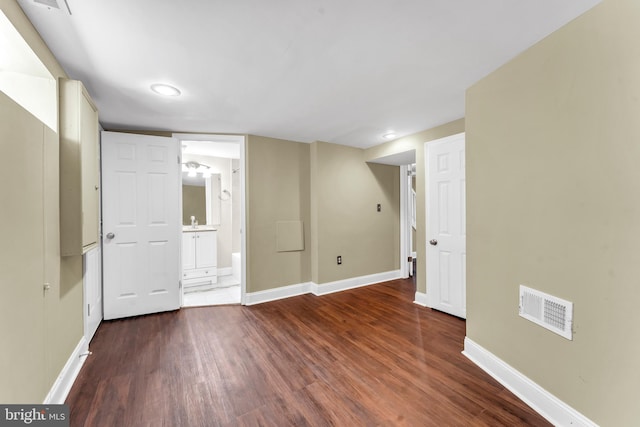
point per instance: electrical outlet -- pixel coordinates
(339, 259)
(379, 207)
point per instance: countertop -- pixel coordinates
(190, 229)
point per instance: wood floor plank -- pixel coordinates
(364, 357)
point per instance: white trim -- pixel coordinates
(421, 299)
(404, 226)
(179, 225)
(61, 387)
(243, 221)
(226, 271)
(277, 293)
(354, 282)
(213, 137)
(319, 290)
(241, 140)
(550, 407)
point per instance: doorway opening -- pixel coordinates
(213, 216)
(406, 161)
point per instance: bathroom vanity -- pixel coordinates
(199, 257)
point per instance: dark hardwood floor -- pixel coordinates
(364, 357)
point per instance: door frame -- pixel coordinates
(241, 140)
(405, 222)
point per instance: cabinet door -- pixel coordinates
(89, 170)
(206, 254)
(188, 251)
(79, 169)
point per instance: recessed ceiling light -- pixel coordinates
(389, 135)
(166, 90)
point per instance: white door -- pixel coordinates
(141, 224)
(446, 225)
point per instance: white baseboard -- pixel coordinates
(354, 282)
(225, 271)
(421, 299)
(318, 290)
(259, 297)
(550, 407)
(68, 374)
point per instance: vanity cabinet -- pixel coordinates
(79, 169)
(199, 258)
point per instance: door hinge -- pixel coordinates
(88, 310)
(179, 284)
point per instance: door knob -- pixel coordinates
(110, 235)
(433, 242)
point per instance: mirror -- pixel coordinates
(201, 199)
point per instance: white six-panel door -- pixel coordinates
(141, 224)
(446, 225)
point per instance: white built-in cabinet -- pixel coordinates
(199, 258)
(79, 169)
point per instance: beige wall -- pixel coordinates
(346, 191)
(334, 192)
(277, 190)
(554, 203)
(416, 142)
(39, 330)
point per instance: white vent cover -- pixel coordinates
(53, 4)
(48, 3)
(547, 311)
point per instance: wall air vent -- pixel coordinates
(547, 311)
(48, 3)
(54, 4)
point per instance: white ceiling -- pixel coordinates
(341, 71)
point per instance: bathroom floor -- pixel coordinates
(227, 291)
